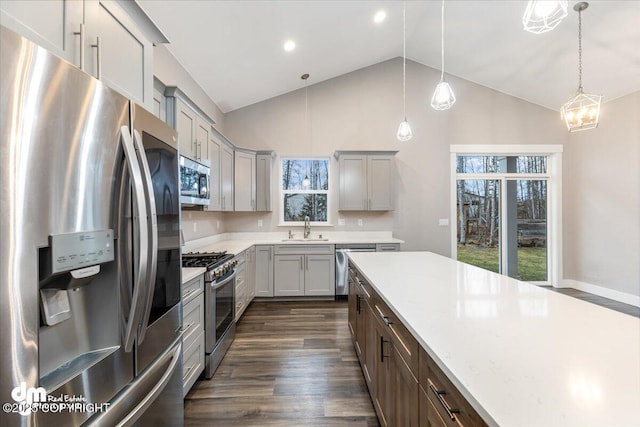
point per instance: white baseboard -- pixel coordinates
(601, 291)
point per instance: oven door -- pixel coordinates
(219, 310)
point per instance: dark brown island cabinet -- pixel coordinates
(406, 386)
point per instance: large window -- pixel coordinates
(507, 210)
(304, 190)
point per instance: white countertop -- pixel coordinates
(522, 355)
(234, 243)
(189, 273)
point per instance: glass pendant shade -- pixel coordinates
(404, 131)
(582, 111)
(541, 16)
(443, 97)
(305, 181)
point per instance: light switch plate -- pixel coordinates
(259, 223)
(340, 221)
(443, 221)
(359, 223)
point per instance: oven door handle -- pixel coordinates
(215, 285)
(152, 228)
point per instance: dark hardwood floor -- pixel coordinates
(291, 364)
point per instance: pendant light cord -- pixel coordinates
(404, 59)
(442, 41)
(580, 51)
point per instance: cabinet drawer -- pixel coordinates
(192, 319)
(304, 249)
(445, 397)
(192, 363)
(241, 257)
(387, 247)
(192, 288)
(403, 340)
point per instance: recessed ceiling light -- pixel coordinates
(289, 45)
(379, 16)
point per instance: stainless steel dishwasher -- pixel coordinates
(342, 266)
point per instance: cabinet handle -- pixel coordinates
(186, 328)
(222, 202)
(270, 254)
(98, 47)
(384, 318)
(382, 341)
(358, 304)
(81, 34)
(186, 375)
(301, 263)
(439, 394)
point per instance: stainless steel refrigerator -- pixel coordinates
(90, 310)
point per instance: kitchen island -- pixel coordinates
(519, 354)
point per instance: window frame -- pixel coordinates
(553, 176)
(282, 192)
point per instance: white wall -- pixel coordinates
(602, 201)
(361, 111)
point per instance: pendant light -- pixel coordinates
(305, 182)
(404, 130)
(582, 111)
(541, 16)
(443, 97)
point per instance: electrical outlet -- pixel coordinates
(340, 221)
(218, 224)
(195, 228)
(259, 223)
(443, 221)
(359, 222)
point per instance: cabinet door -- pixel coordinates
(380, 179)
(405, 393)
(245, 181)
(263, 182)
(226, 177)
(353, 182)
(215, 187)
(320, 275)
(288, 272)
(264, 271)
(52, 24)
(251, 274)
(241, 288)
(382, 377)
(124, 58)
(203, 129)
(159, 104)
(186, 128)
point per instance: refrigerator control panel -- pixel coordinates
(71, 251)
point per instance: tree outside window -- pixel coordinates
(305, 190)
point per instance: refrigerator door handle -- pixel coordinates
(152, 228)
(119, 412)
(137, 303)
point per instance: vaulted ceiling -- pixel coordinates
(234, 49)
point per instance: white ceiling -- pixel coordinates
(233, 49)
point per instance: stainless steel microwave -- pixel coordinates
(195, 182)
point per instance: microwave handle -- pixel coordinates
(152, 228)
(137, 303)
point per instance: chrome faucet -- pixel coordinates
(307, 227)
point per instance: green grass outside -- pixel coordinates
(532, 262)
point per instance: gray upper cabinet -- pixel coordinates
(366, 181)
(159, 101)
(55, 24)
(226, 177)
(194, 128)
(264, 168)
(245, 181)
(100, 37)
(215, 152)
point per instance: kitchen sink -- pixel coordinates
(310, 239)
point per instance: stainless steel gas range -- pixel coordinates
(219, 300)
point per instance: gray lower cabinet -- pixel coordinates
(264, 270)
(241, 284)
(251, 274)
(304, 270)
(387, 247)
(192, 332)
